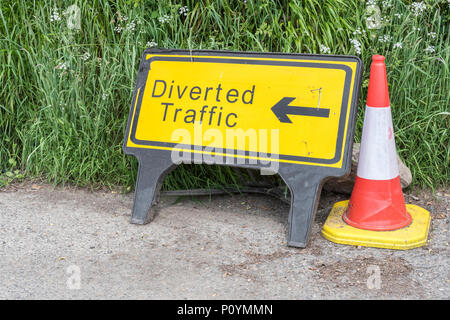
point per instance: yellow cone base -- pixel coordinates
(413, 236)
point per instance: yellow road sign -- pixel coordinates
(296, 107)
(290, 114)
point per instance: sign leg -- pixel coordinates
(151, 175)
(303, 207)
(305, 193)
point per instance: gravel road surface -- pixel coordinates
(77, 244)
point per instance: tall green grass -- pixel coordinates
(65, 93)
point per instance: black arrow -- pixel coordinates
(282, 108)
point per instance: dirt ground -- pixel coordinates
(69, 243)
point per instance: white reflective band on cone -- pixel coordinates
(377, 155)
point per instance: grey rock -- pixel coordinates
(345, 184)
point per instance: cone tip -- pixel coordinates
(377, 58)
(378, 93)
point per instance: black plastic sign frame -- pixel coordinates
(304, 106)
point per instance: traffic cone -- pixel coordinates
(376, 214)
(377, 199)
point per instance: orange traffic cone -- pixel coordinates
(377, 200)
(376, 215)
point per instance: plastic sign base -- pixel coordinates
(413, 236)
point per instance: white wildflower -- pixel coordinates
(324, 49)
(371, 3)
(104, 96)
(387, 3)
(118, 29)
(416, 29)
(151, 44)
(62, 66)
(398, 45)
(131, 26)
(55, 15)
(86, 56)
(357, 45)
(430, 49)
(418, 8)
(372, 23)
(432, 35)
(358, 31)
(164, 19)
(398, 15)
(183, 10)
(384, 38)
